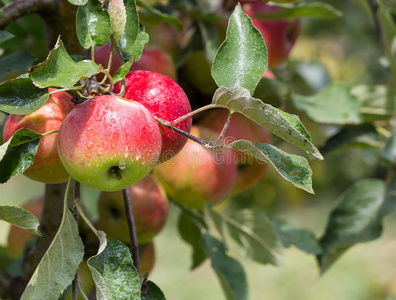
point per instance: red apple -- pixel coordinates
(46, 166)
(250, 170)
(17, 237)
(166, 100)
(109, 143)
(279, 35)
(196, 175)
(150, 210)
(153, 59)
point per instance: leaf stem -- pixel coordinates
(190, 114)
(221, 136)
(85, 218)
(134, 247)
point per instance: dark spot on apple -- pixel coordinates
(115, 171)
(115, 212)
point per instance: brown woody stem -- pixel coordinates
(134, 247)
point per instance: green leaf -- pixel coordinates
(254, 233)
(92, 24)
(242, 59)
(190, 231)
(15, 62)
(153, 292)
(20, 96)
(20, 217)
(122, 71)
(355, 219)
(286, 126)
(60, 70)
(389, 152)
(303, 239)
(127, 41)
(17, 154)
(364, 136)
(78, 2)
(376, 101)
(312, 10)
(113, 271)
(272, 91)
(155, 16)
(210, 39)
(229, 271)
(59, 264)
(5, 35)
(333, 105)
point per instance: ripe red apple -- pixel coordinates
(153, 59)
(46, 166)
(150, 210)
(279, 35)
(250, 170)
(17, 237)
(109, 143)
(196, 175)
(166, 100)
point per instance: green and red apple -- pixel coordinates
(109, 143)
(196, 176)
(46, 166)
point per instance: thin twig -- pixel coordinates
(75, 214)
(75, 287)
(134, 247)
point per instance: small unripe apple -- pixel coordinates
(46, 166)
(109, 143)
(196, 175)
(150, 210)
(17, 237)
(250, 170)
(153, 59)
(166, 100)
(279, 35)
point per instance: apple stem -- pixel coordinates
(134, 248)
(221, 136)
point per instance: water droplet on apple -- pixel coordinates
(90, 144)
(122, 164)
(100, 151)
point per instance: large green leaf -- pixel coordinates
(355, 219)
(303, 239)
(92, 24)
(152, 292)
(334, 105)
(60, 70)
(16, 62)
(364, 136)
(314, 10)
(254, 233)
(286, 126)
(127, 41)
(113, 271)
(293, 168)
(59, 264)
(20, 217)
(20, 96)
(242, 59)
(17, 154)
(229, 271)
(190, 231)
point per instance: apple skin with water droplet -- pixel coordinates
(109, 143)
(46, 166)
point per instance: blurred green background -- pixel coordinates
(341, 50)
